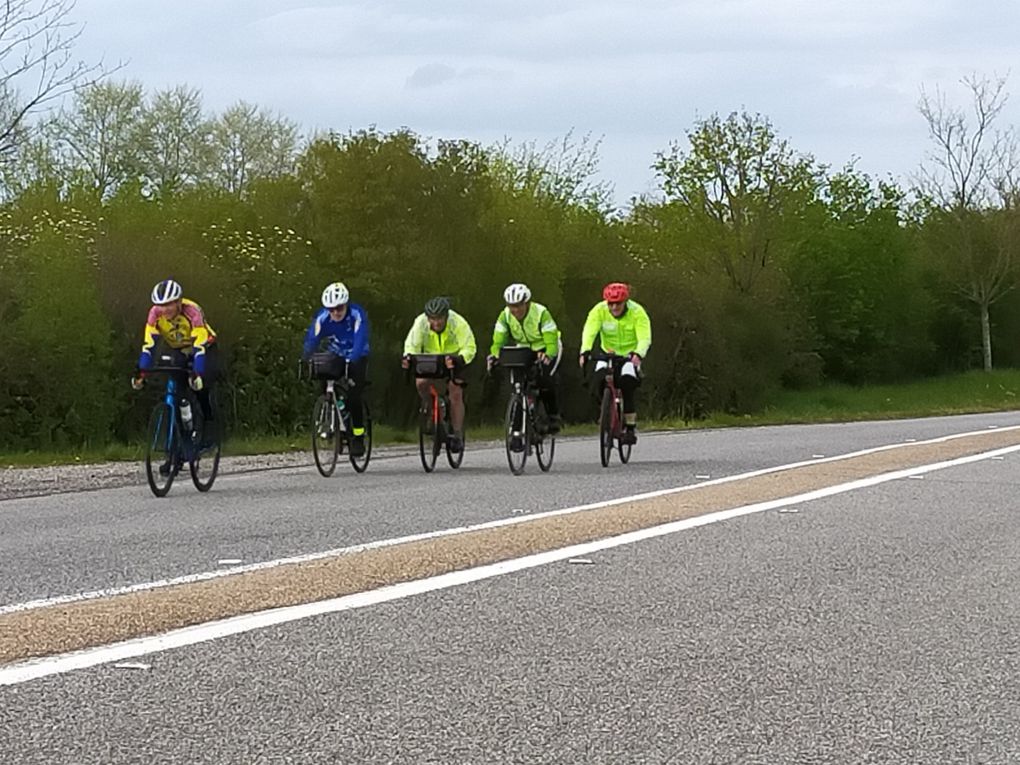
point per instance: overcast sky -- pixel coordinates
(839, 78)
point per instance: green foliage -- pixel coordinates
(762, 272)
(59, 391)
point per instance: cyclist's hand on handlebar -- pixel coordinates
(137, 382)
(543, 357)
(583, 359)
(635, 359)
(196, 382)
(405, 362)
(490, 362)
(450, 362)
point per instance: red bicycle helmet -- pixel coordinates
(617, 292)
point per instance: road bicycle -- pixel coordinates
(527, 422)
(611, 426)
(178, 433)
(434, 425)
(332, 431)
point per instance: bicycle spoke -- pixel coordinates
(325, 438)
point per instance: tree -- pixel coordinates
(36, 66)
(250, 143)
(562, 171)
(969, 193)
(99, 133)
(740, 185)
(174, 140)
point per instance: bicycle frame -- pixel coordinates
(611, 429)
(616, 421)
(436, 397)
(336, 397)
(524, 383)
(170, 398)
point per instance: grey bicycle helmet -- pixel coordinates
(437, 306)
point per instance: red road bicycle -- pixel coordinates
(611, 427)
(434, 425)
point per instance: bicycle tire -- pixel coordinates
(361, 463)
(325, 438)
(545, 444)
(606, 427)
(516, 413)
(207, 458)
(427, 443)
(162, 447)
(454, 458)
(621, 447)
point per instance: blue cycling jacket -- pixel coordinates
(348, 338)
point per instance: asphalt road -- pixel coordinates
(874, 626)
(67, 543)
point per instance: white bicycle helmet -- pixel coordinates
(167, 291)
(335, 295)
(516, 293)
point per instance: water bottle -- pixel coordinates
(186, 414)
(345, 415)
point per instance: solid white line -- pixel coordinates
(381, 543)
(201, 633)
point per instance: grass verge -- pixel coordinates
(966, 393)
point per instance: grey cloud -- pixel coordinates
(430, 75)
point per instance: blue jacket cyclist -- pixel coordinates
(343, 327)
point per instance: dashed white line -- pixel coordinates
(201, 633)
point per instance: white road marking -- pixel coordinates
(520, 518)
(201, 633)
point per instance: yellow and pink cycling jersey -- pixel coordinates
(187, 331)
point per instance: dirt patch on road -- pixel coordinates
(58, 629)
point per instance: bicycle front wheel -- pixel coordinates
(361, 463)
(162, 450)
(428, 438)
(516, 434)
(325, 439)
(545, 442)
(606, 427)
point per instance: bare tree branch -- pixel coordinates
(970, 183)
(36, 62)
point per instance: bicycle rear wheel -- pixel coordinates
(204, 464)
(454, 458)
(361, 463)
(545, 442)
(517, 434)
(624, 450)
(325, 439)
(606, 427)
(162, 450)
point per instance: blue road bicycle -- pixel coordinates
(178, 433)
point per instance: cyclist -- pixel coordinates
(443, 331)
(624, 329)
(530, 324)
(181, 324)
(344, 325)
